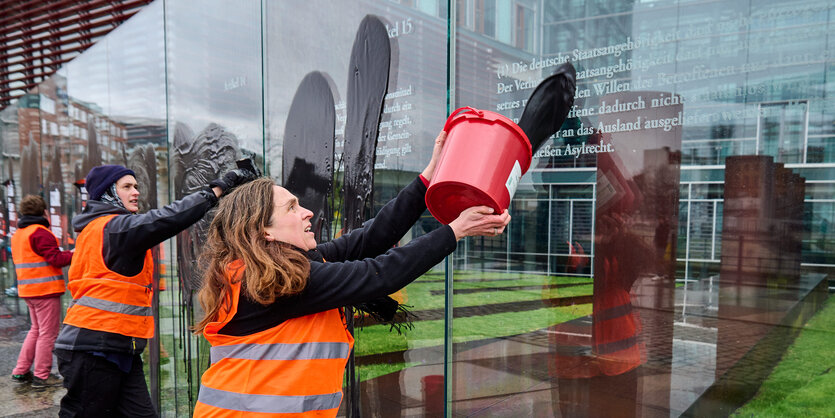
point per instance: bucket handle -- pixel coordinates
(455, 113)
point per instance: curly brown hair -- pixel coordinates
(33, 205)
(272, 268)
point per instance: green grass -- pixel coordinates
(377, 338)
(372, 371)
(418, 294)
(803, 383)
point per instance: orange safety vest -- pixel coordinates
(293, 369)
(607, 344)
(616, 330)
(35, 276)
(102, 299)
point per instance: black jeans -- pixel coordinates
(97, 388)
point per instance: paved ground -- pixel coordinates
(18, 400)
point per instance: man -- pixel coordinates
(38, 260)
(109, 320)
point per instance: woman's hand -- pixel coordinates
(479, 220)
(436, 155)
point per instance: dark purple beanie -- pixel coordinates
(100, 178)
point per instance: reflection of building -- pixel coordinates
(37, 37)
(63, 127)
(743, 91)
(58, 138)
(733, 105)
(762, 226)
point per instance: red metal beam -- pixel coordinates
(25, 87)
(33, 66)
(40, 31)
(54, 8)
(15, 5)
(57, 45)
(26, 25)
(63, 31)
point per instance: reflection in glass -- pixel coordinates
(531, 311)
(782, 130)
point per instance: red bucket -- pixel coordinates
(483, 159)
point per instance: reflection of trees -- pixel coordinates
(55, 181)
(30, 169)
(656, 181)
(197, 161)
(54, 171)
(93, 151)
(659, 182)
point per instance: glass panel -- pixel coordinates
(214, 65)
(733, 96)
(783, 128)
(312, 74)
(819, 247)
(701, 230)
(668, 244)
(115, 98)
(19, 128)
(820, 149)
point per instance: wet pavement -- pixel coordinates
(20, 400)
(704, 356)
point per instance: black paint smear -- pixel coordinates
(548, 105)
(198, 160)
(308, 149)
(143, 161)
(368, 75)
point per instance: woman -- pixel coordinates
(40, 282)
(272, 297)
(108, 324)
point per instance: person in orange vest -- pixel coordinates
(273, 297)
(38, 260)
(109, 321)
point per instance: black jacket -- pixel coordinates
(358, 267)
(127, 237)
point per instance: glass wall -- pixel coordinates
(668, 242)
(678, 198)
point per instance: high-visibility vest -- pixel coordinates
(616, 331)
(35, 276)
(294, 369)
(607, 344)
(102, 299)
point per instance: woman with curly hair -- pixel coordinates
(272, 296)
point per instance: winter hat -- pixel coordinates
(100, 178)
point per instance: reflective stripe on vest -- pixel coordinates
(296, 367)
(268, 404)
(302, 351)
(24, 282)
(104, 300)
(35, 276)
(106, 305)
(30, 265)
(616, 341)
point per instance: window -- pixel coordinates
(485, 17)
(478, 16)
(782, 131)
(523, 27)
